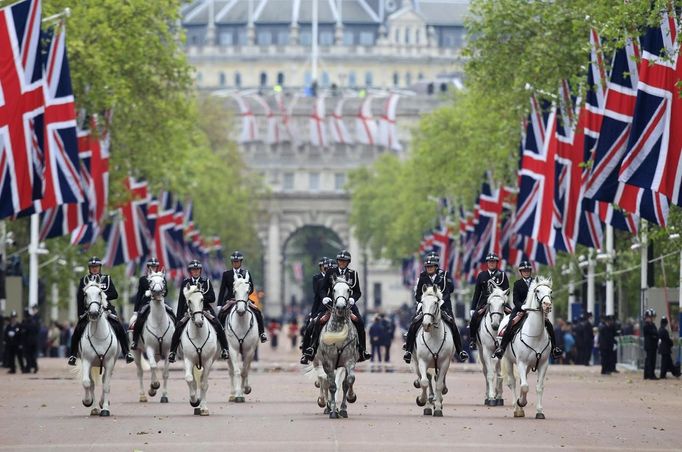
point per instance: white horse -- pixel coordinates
(434, 348)
(200, 349)
(99, 349)
(338, 349)
(242, 339)
(530, 347)
(488, 342)
(156, 337)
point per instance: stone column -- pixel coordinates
(273, 269)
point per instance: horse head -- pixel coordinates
(497, 298)
(431, 300)
(539, 295)
(157, 284)
(195, 304)
(241, 288)
(341, 295)
(95, 299)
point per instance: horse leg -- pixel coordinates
(440, 384)
(521, 401)
(230, 369)
(350, 376)
(140, 374)
(237, 381)
(154, 385)
(486, 360)
(203, 383)
(331, 382)
(428, 411)
(539, 388)
(499, 400)
(245, 373)
(166, 368)
(106, 387)
(88, 384)
(189, 378)
(344, 385)
(423, 382)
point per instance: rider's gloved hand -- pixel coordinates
(326, 301)
(351, 300)
(471, 313)
(148, 293)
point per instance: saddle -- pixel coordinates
(513, 323)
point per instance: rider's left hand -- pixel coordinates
(351, 300)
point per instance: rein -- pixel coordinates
(229, 325)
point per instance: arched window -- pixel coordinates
(237, 80)
(263, 79)
(396, 79)
(352, 81)
(408, 79)
(396, 39)
(368, 78)
(221, 79)
(408, 35)
(280, 78)
(417, 36)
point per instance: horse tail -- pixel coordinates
(335, 337)
(197, 373)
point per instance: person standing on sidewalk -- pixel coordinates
(665, 348)
(650, 334)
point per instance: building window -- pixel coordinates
(408, 33)
(417, 36)
(283, 37)
(348, 38)
(242, 38)
(263, 79)
(226, 38)
(324, 81)
(280, 78)
(352, 81)
(408, 79)
(368, 78)
(264, 38)
(200, 78)
(305, 38)
(339, 181)
(314, 181)
(288, 182)
(366, 38)
(377, 295)
(326, 38)
(396, 36)
(396, 79)
(237, 79)
(221, 79)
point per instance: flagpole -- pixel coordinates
(65, 13)
(33, 263)
(609, 271)
(590, 281)
(644, 267)
(314, 49)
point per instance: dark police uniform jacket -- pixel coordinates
(325, 287)
(227, 284)
(141, 300)
(520, 292)
(666, 345)
(442, 281)
(107, 286)
(206, 289)
(481, 293)
(650, 337)
(317, 307)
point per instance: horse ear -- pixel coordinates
(549, 281)
(334, 278)
(506, 293)
(425, 288)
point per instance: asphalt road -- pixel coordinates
(584, 410)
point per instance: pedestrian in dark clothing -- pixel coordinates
(650, 334)
(12, 338)
(588, 339)
(30, 330)
(377, 335)
(606, 342)
(613, 355)
(665, 348)
(389, 330)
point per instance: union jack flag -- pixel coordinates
(654, 152)
(22, 107)
(125, 236)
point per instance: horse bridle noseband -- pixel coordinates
(535, 294)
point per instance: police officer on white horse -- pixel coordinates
(204, 284)
(142, 300)
(317, 308)
(520, 292)
(434, 276)
(480, 298)
(226, 296)
(107, 286)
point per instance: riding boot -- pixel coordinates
(457, 339)
(222, 339)
(362, 340)
(122, 337)
(78, 331)
(556, 351)
(506, 339)
(411, 338)
(139, 325)
(175, 340)
(261, 326)
(473, 330)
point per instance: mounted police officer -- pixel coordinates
(519, 294)
(434, 276)
(204, 284)
(481, 293)
(107, 285)
(142, 300)
(343, 259)
(226, 296)
(317, 308)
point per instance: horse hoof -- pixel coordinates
(151, 392)
(197, 411)
(489, 402)
(333, 415)
(317, 384)
(247, 390)
(239, 399)
(438, 413)
(94, 412)
(231, 399)
(196, 403)
(203, 412)
(519, 414)
(352, 398)
(321, 403)
(518, 402)
(428, 412)
(164, 399)
(143, 398)
(104, 413)
(343, 414)
(539, 416)
(327, 410)
(416, 384)
(420, 402)
(499, 402)
(155, 385)
(88, 404)
(445, 390)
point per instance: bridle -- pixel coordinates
(342, 297)
(436, 312)
(539, 299)
(162, 283)
(492, 313)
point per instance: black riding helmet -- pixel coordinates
(344, 255)
(94, 260)
(431, 259)
(492, 257)
(236, 256)
(194, 265)
(525, 265)
(153, 262)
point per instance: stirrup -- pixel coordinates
(224, 354)
(263, 338)
(72, 360)
(305, 360)
(407, 357)
(498, 353)
(557, 352)
(463, 356)
(129, 358)
(171, 357)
